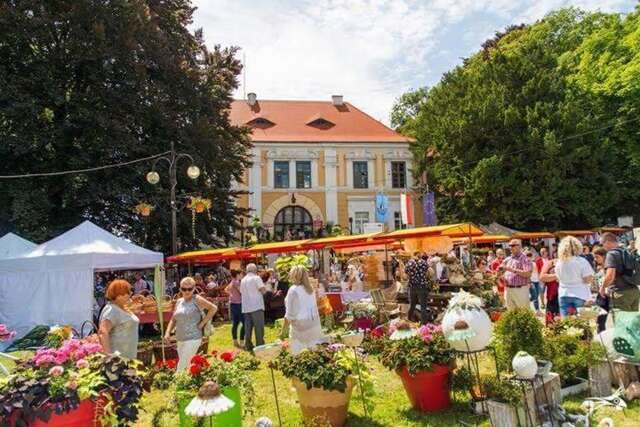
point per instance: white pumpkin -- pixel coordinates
(524, 365)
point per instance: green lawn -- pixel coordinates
(392, 407)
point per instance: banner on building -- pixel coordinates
(429, 209)
(382, 208)
(406, 209)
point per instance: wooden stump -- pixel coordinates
(600, 380)
(625, 372)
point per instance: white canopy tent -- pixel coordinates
(12, 246)
(53, 283)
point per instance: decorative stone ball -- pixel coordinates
(524, 365)
(209, 390)
(477, 320)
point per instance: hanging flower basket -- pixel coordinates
(143, 209)
(198, 205)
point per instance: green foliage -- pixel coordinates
(416, 355)
(571, 356)
(502, 390)
(521, 134)
(163, 379)
(284, 264)
(110, 82)
(327, 367)
(462, 380)
(517, 330)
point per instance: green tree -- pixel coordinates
(406, 108)
(509, 137)
(86, 83)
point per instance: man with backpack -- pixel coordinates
(622, 275)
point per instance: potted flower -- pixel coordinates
(71, 385)
(143, 209)
(231, 371)
(324, 378)
(504, 402)
(422, 358)
(363, 313)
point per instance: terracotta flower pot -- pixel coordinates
(200, 207)
(329, 405)
(428, 391)
(495, 315)
(146, 211)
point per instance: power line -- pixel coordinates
(75, 171)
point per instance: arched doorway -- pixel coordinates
(294, 221)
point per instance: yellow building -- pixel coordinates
(317, 162)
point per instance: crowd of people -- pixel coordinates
(560, 280)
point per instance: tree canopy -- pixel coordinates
(535, 130)
(89, 83)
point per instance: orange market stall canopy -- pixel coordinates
(574, 233)
(531, 235)
(435, 239)
(615, 230)
(479, 240)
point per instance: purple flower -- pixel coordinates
(336, 347)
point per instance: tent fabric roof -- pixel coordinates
(562, 233)
(85, 246)
(452, 230)
(533, 235)
(495, 228)
(487, 238)
(13, 246)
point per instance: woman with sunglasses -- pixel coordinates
(189, 319)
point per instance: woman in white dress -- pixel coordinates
(301, 320)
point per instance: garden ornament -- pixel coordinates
(626, 334)
(263, 422)
(467, 307)
(615, 400)
(403, 330)
(208, 402)
(524, 365)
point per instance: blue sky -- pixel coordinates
(370, 51)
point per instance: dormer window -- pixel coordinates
(320, 123)
(260, 123)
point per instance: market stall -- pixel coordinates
(13, 246)
(53, 283)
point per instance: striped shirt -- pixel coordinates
(518, 262)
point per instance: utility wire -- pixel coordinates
(70, 172)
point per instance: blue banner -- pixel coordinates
(429, 209)
(382, 207)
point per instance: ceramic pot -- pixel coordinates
(428, 391)
(330, 405)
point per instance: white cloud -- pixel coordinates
(371, 51)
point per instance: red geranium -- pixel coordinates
(200, 361)
(227, 356)
(169, 364)
(378, 332)
(195, 369)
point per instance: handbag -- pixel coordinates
(207, 330)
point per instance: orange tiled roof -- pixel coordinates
(290, 122)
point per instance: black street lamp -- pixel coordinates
(153, 177)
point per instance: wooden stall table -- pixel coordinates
(153, 317)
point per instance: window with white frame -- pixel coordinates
(280, 174)
(397, 221)
(303, 174)
(359, 220)
(360, 174)
(398, 174)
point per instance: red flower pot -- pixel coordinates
(87, 414)
(428, 391)
(364, 323)
(495, 315)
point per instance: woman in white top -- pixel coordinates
(301, 320)
(574, 276)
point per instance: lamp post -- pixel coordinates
(153, 178)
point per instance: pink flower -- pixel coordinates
(56, 371)
(82, 363)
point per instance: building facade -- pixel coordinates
(315, 163)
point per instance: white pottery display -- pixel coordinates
(353, 339)
(267, 352)
(461, 308)
(524, 365)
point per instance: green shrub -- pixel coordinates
(571, 356)
(571, 324)
(517, 330)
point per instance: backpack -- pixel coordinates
(630, 268)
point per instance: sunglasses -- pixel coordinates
(186, 289)
(514, 245)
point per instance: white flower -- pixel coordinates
(199, 407)
(574, 332)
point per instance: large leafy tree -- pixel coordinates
(86, 83)
(510, 136)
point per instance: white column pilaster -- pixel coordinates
(331, 185)
(255, 182)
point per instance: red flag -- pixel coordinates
(406, 209)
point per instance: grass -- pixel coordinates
(391, 405)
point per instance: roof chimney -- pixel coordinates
(337, 100)
(252, 98)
